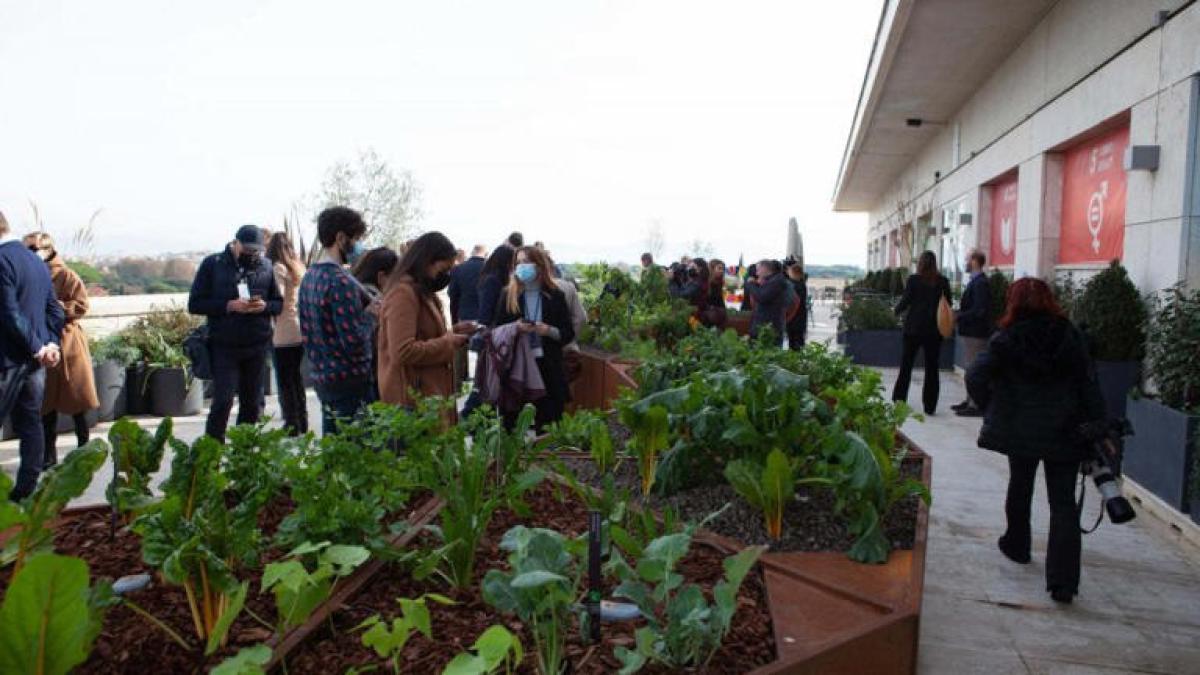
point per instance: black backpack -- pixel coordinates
(196, 347)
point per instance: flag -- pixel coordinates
(741, 268)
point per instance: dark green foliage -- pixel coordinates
(998, 283)
(1171, 359)
(116, 349)
(1112, 312)
(1066, 292)
(626, 313)
(137, 455)
(865, 312)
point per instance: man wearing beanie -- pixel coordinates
(236, 290)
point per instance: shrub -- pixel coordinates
(868, 313)
(998, 283)
(1174, 342)
(116, 349)
(1112, 311)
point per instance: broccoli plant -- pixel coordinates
(137, 455)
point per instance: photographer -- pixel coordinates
(690, 282)
(1037, 385)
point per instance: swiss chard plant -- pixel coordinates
(496, 648)
(684, 629)
(768, 487)
(472, 480)
(51, 616)
(298, 589)
(388, 640)
(37, 512)
(541, 587)
(137, 455)
(650, 425)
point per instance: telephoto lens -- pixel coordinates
(1119, 509)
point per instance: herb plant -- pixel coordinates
(298, 591)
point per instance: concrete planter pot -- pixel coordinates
(884, 349)
(174, 393)
(1158, 455)
(1117, 379)
(111, 390)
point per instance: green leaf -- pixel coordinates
(631, 661)
(46, 623)
(537, 578)
(467, 664)
(345, 558)
(416, 615)
(308, 547)
(496, 643)
(221, 628)
(725, 592)
(289, 574)
(248, 661)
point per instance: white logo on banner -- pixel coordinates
(1006, 235)
(1095, 214)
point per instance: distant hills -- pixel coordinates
(834, 271)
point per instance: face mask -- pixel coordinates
(436, 284)
(693, 272)
(526, 273)
(248, 260)
(355, 252)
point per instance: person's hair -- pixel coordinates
(545, 275)
(339, 219)
(41, 241)
(377, 261)
(427, 249)
(771, 264)
(979, 258)
(478, 251)
(647, 258)
(705, 273)
(1028, 298)
(927, 267)
(499, 264)
(516, 240)
(281, 252)
(712, 271)
(3, 224)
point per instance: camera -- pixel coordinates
(1103, 439)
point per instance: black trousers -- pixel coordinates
(931, 346)
(1063, 549)
(293, 402)
(22, 388)
(235, 370)
(50, 433)
(795, 333)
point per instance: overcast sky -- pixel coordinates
(578, 122)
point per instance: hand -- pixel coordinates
(48, 356)
(374, 308)
(256, 306)
(542, 329)
(458, 339)
(237, 306)
(525, 327)
(465, 327)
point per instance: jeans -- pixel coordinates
(931, 345)
(240, 370)
(1063, 549)
(342, 402)
(26, 416)
(292, 400)
(50, 433)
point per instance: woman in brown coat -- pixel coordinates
(71, 385)
(416, 350)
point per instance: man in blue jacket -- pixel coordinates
(236, 290)
(974, 322)
(464, 287)
(31, 323)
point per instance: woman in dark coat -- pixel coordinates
(492, 280)
(922, 294)
(1037, 385)
(769, 295)
(533, 298)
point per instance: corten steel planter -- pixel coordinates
(1158, 455)
(884, 349)
(602, 377)
(739, 322)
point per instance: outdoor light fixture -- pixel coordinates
(964, 219)
(914, 122)
(1141, 158)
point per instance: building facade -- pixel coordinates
(1053, 135)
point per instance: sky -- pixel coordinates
(578, 122)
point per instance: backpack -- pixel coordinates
(196, 347)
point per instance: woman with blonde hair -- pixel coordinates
(70, 385)
(535, 302)
(288, 352)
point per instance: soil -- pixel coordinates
(334, 648)
(810, 521)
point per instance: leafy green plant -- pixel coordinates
(998, 283)
(541, 588)
(683, 629)
(865, 312)
(114, 349)
(651, 429)
(461, 474)
(388, 641)
(767, 487)
(1066, 292)
(1174, 342)
(587, 431)
(1113, 313)
(248, 661)
(495, 647)
(37, 512)
(136, 456)
(50, 616)
(638, 527)
(298, 591)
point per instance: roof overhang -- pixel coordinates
(929, 57)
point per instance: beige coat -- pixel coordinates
(287, 324)
(71, 385)
(416, 349)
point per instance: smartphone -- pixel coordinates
(243, 291)
(256, 298)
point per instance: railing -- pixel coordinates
(110, 314)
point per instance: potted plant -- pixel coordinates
(111, 357)
(158, 338)
(1160, 451)
(1113, 315)
(872, 333)
(173, 392)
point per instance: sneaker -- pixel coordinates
(1062, 595)
(1010, 554)
(960, 406)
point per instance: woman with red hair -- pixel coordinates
(1037, 385)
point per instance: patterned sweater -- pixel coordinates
(335, 325)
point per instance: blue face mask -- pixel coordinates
(355, 252)
(526, 273)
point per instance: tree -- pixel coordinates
(387, 199)
(701, 249)
(656, 241)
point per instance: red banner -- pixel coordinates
(1004, 222)
(1093, 208)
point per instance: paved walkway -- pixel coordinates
(1139, 604)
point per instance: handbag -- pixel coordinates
(945, 317)
(196, 347)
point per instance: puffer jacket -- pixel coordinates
(1036, 384)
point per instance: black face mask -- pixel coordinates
(436, 284)
(693, 272)
(248, 260)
